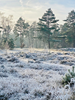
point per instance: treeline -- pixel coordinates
(47, 33)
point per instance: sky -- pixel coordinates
(32, 10)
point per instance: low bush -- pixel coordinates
(68, 76)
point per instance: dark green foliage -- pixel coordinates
(11, 43)
(47, 26)
(72, 73)
(70, 28)
(68, 77)
(63, 42)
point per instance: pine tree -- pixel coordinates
(70, 24)
(47, 26)
(21, 30)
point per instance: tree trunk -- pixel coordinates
(32, 42)
(74, 43)
(49, 44)
(21, 41)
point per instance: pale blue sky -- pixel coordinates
(31, 10)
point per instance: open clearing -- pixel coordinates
(34, 74)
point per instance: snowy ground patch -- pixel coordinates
(36, 75)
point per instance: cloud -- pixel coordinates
(21, 2)
(28, 2)
(32, 11)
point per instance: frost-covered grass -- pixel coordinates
(32, 74)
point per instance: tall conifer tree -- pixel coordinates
(70, 25)
(47, 25)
